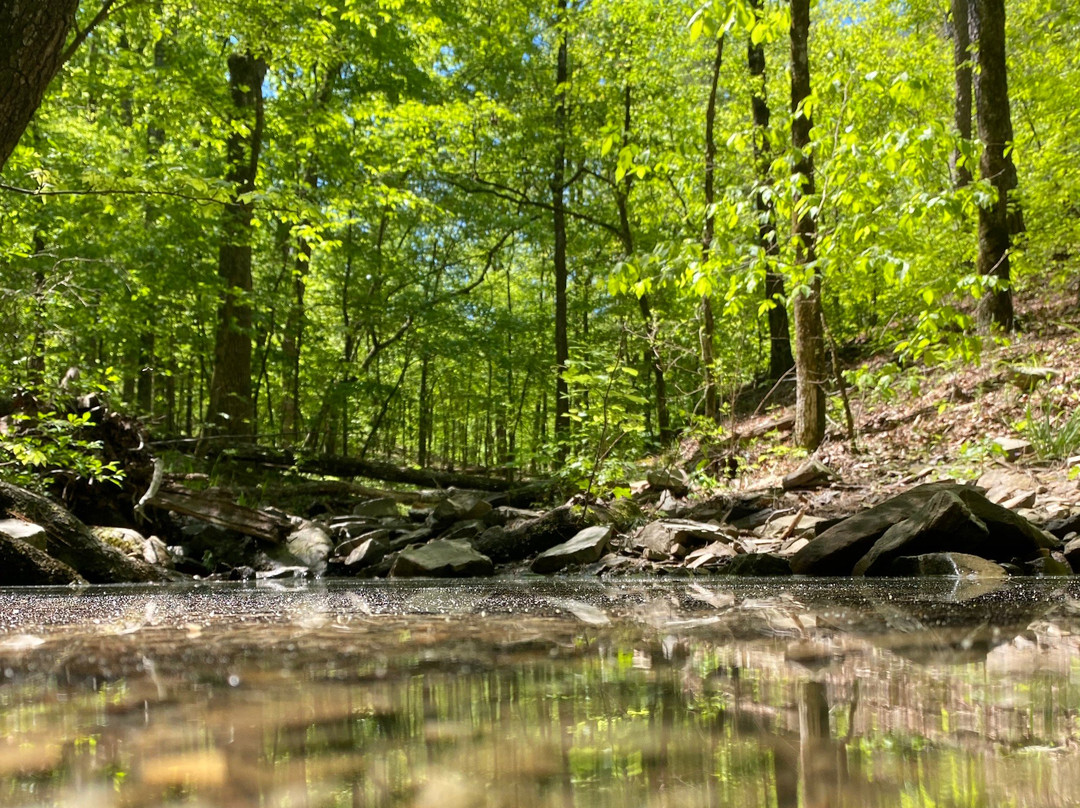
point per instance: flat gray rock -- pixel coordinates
(368, 553)
(658, 540)
(585, 547)
(811, 474)
(377, 508)
(442, 559)
(459, 507)
(951, 565)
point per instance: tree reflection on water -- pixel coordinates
(517, 694)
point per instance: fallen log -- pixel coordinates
(70, 541)
(349, 467)
(219, 510)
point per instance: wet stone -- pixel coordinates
(658, 540)
(458, 507)
(1048, 567)
(758, 565)
(442, 559)
(311, 545)
(128, 541)
(954, 565)
(585, 547)
(368, 553)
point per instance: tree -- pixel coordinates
(32, 51)
(995, 165)
(960, 19)
(809, 326)
(558, 213)
(780, 358)
(231, 409)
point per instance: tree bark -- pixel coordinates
(707, 331)
(558, 202)
(32, 36)
(960, 15)
(994, 120)
(809, 339)
(780, 358)
(230, 411)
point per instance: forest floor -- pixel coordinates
(920, 424)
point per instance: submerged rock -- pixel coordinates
(585, 547)
(442, 558)
(759, 565)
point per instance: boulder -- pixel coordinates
(952, 565)
(459, 507)
(1012, 448)
(837, 550)
(812, 474)
(311, 545)
(676, 481)
(1028, 378)
(505, 515)
(381, 508)
(351, 543)
(585, 547)
(945, 523)
(464, 530)
(442, 559)
(531, 536)
(659, 540)
(1072, 553)
(127, 541)
(1047, 567)
(758, 565)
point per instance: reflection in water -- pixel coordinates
(542, 694)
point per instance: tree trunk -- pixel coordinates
(809, 339)
(230, 410)
(558, 203)
(707, 332)
(32, 36)
(996, 165)
(780, 358)
(960, 17)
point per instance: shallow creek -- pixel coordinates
(543, 693)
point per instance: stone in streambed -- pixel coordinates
(658, 540)
(442, 558)
(585, 547)
(757, 565)
(944, 523)
(368, 553)
(458, 507)
(952, 565)
(311, 545)
(381, 508)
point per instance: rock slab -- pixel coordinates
(585, 547)
(443, 558)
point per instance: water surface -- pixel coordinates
(543, 693)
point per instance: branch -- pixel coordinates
(107, 9)
(202, 200)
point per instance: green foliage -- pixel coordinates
(37, 451)
(1054, 432)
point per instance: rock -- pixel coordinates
(411, 537)
(1012, 448)
(32, 534)
(127, 541)
(838, 549)
(442, 559)
(459, 507)
(1047, 567)
(676, 481)
(1072, 553)
(812, 474)
(505, 515)
(1028, 378)
(351, 543)
(1002, 483)
(755, 519)
(368, 553)
(311, 545)
(1065, 525)
(155, 552)
(658, 539)
(585, 547)
(954, 565)
(532, 536)
(798, 524)
(380, 508)
(757, 565)
(464, 530)
(710, 555)
(1020, 499)
(944, 523)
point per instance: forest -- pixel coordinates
(488, 234)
